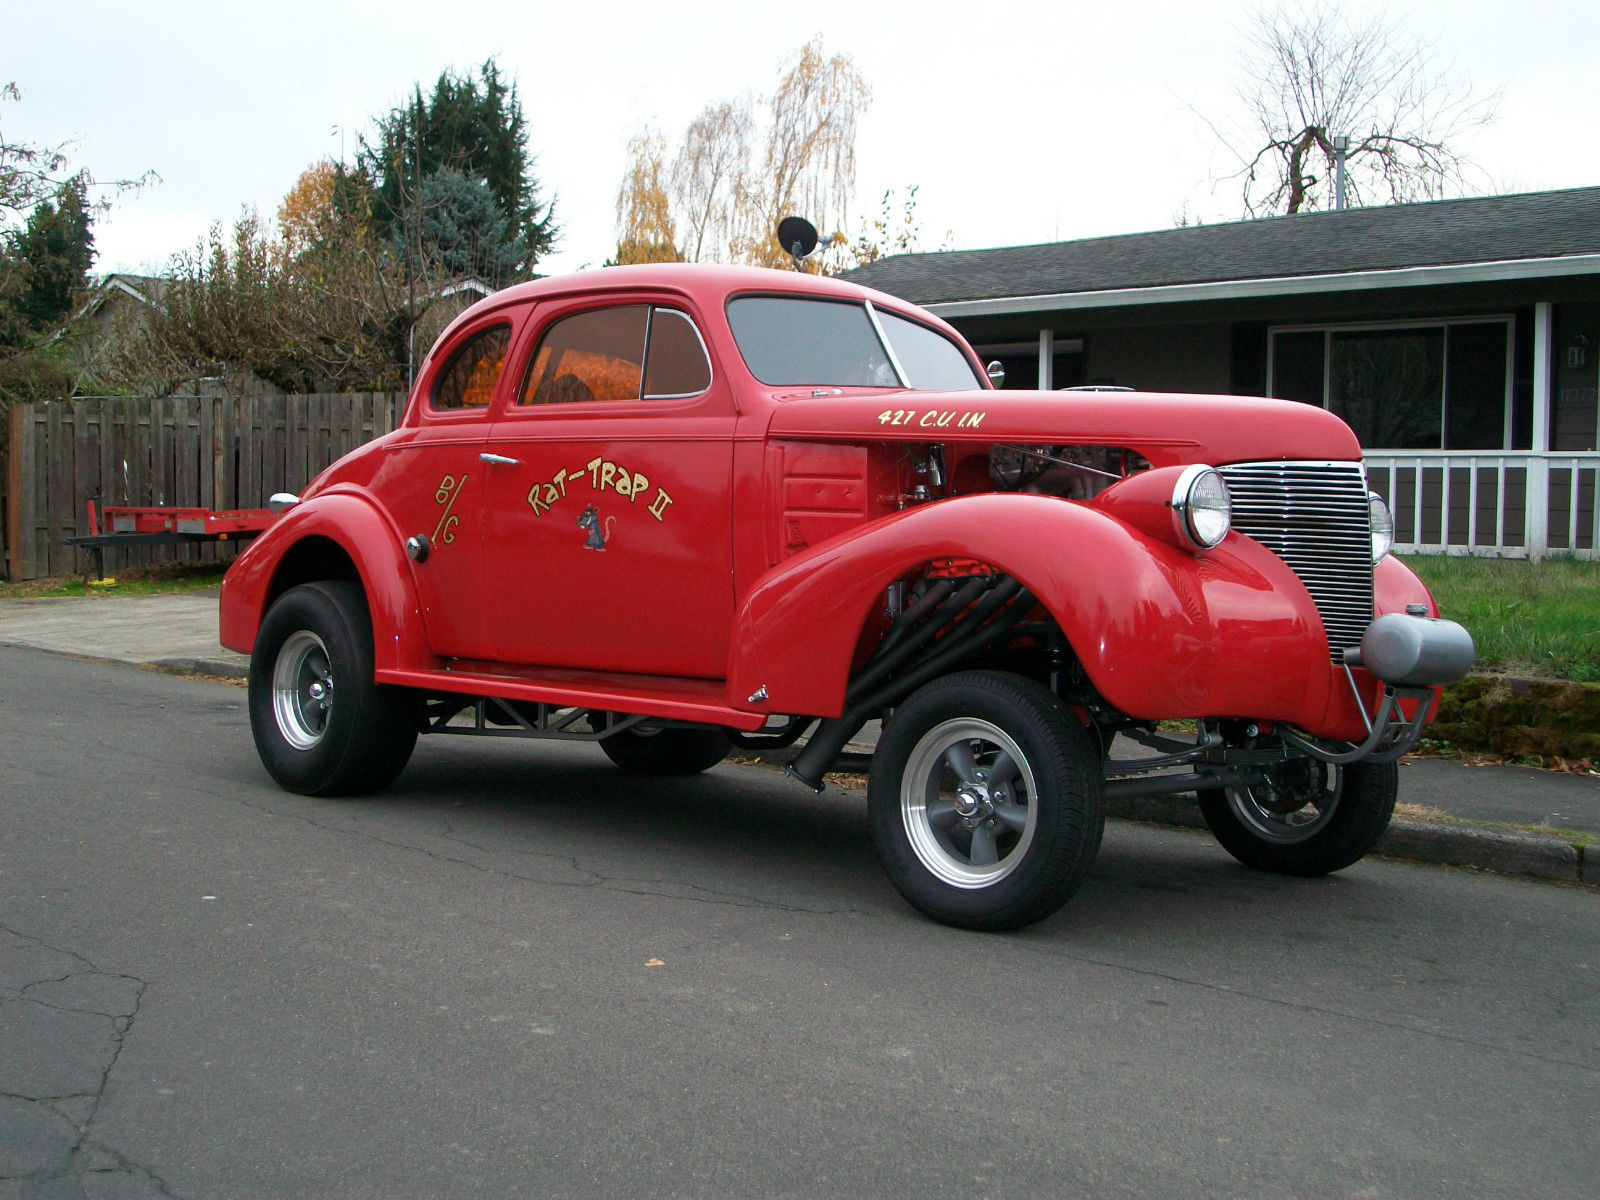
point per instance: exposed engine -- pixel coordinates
(1072, 472)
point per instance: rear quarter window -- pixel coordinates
(469, 378)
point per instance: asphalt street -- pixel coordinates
(519, 971)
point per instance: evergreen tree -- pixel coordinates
(471, 126)
(45, 264)
(457, 227)
(57, 248)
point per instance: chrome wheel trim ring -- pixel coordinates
(1255, 810)
(920, 790)
(302, 689)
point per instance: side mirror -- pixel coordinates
(996, 373)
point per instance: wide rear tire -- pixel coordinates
(321, 725)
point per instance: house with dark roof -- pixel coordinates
(1459, 338)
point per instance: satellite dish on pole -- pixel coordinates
(798, 237)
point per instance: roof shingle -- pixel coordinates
(1482, 229)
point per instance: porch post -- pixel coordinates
(1047, 359)
(1538, 498)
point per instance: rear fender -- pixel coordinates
(1161, 632)
(358, 528)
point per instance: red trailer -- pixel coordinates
(159, 525)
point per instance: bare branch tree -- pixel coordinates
(29, 173)
(1311, 74)
(708, 176)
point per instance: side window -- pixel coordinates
(625, 353)
(676, 364)
(468, 381)
(595, 355)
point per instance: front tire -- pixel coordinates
(1307, 819)
(985, 801)
(322, 726)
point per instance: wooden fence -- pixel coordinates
(219, 452)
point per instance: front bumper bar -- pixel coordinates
(1410, 655)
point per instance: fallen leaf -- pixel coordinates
(655, 962)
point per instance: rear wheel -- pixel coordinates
(1306, 817)
(647, 749)
(985, 801)
(321, 725)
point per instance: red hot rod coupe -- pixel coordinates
(674, 509)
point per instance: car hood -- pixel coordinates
(1167, 428)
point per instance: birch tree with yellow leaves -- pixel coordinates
(741, 166)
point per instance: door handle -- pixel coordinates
(499, 460)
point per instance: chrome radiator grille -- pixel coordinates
(1314, 516)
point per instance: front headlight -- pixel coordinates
(1382, 527)
(1202, 511)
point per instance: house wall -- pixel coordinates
(1175, 358)
(1221, 346)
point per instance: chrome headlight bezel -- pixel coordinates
(1381, 521)
(1202, 509)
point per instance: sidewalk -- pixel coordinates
(176, 632)
(1512, 819)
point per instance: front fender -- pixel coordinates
(368, 539)
(1161, 632)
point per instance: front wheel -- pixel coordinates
(1306, 817)
(985, 801)
(321, 725)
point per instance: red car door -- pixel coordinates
(432, 484)
(608, 528)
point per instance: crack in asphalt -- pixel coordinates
(1302, 1006)
(640, 886)
(62, 1173)
(588, 876)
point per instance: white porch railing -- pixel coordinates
(1505, 504)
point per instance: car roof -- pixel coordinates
(706, 282)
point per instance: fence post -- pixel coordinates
(1538, 497)
(14, 460)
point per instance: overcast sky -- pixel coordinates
(1021, 122)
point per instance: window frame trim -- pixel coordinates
(705, 352)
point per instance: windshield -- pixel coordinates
(930, 360)
(790, 341)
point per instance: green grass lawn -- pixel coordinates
(144, 581)
(1540, 619)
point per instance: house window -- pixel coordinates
(1443, 385)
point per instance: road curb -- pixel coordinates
(1537, 856)
(1550, 856)
(213, 667)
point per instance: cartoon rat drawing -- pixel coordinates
(590, 520)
